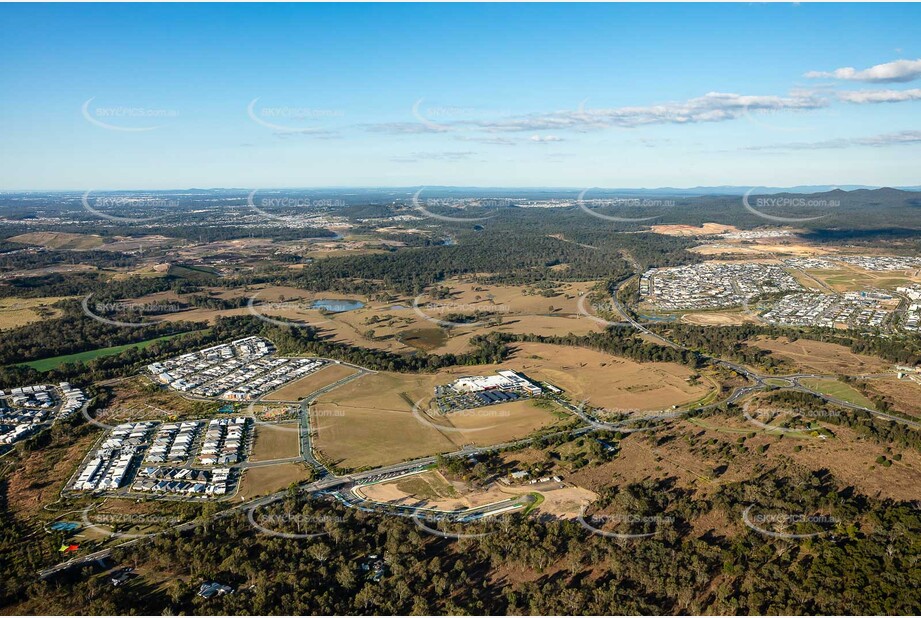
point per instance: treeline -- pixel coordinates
(731, 341)
(865, 562)
(865, 424)
(615, 340)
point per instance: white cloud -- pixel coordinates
(901, 138)
(543, 139)
(880, 96)
(712, 107)
(897, 71)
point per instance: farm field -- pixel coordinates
(331, 373)
(16, 312)
(276, 441)
(269, 479)
(821, 357)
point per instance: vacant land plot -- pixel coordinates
(60, 240)
(905, 394)
(371, 421)
(16, 312)
(609, 381)
(707, 229)
(276, 441)
(821, 357)
(138, 399)
(717, 318)
(269, 479)
(330, 374)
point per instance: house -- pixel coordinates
(210, 589)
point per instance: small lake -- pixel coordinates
(335, 305)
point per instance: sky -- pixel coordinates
(136, 96)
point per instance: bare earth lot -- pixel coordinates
(276, 441)
(311, 383)
(269, 479)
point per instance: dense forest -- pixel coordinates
(864, 561)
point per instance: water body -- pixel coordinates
(336, 305)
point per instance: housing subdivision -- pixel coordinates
(477, 391)
(241, 370)
(853, 310)
(192, 459)
(882, 262)
(713, 285)
(24, 410)
(183, 481)
(912, 318)
(116, 459)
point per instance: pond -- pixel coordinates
(336, 305)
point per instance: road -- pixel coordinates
(329, 482)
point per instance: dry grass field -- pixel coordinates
(331, 373)
(136, 399)
(371, 422)
(60, 240)
(829, 358)
(395, 326)
(277, 441)
(16, 312)
(717, 318)
(905, 394)
(707, 229)
(269, 479)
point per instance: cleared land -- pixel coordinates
(315, 381)
(821, 357)
(371, 421)
(904, 394)
(137, 399)
(276, 441)
(60, 240)
(707, 229)
(269, 479)
(16, 312)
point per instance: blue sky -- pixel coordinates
(175, 96)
